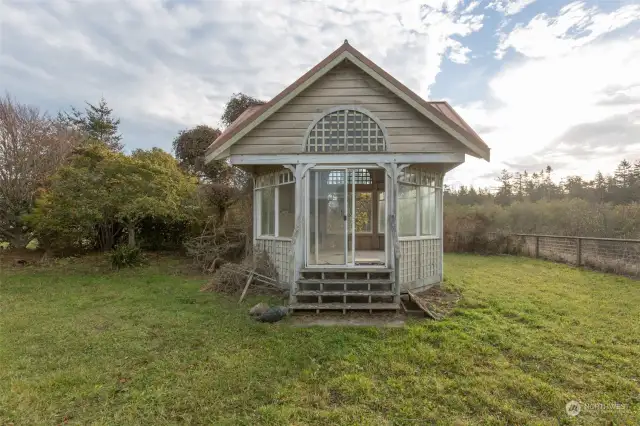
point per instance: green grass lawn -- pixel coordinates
(83, 344)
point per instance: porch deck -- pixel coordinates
(363, 257)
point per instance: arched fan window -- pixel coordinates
(346, 130)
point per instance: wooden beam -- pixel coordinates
(348, 159)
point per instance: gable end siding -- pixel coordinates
(408, 131)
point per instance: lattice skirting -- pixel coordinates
(280, 252)
(420, 263)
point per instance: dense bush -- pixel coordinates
(102, 195)
(483, 227)
(557, 217)
(123, 256)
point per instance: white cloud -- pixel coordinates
(179, 62)
(164, 66)
(509, 7)
(458, 53)
(575, 26)
(565, 84)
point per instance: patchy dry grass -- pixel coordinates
(84, 344)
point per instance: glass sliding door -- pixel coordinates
(327, 213)
(340, 226)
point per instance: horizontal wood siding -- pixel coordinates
(408, 131)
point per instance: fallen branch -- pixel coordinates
(246, 287)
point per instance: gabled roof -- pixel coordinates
(439, 112)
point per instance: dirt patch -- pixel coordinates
(437, 300)
(20, 257)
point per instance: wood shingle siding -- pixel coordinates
(346, 85)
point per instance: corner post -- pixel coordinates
(393, 172)
(297, 239)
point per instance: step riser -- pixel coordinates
(345, 307)
(352, 274)
(344, 293)
(344, 288)
(344, 299)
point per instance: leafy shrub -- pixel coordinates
(124, 256)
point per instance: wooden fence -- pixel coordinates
(605, 254)
(615, 255)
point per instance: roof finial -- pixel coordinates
(346, 41)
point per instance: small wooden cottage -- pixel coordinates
(348, 166)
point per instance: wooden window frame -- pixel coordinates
(270, 180)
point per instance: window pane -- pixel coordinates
(286, 210)
(364, 213)
(267, 211)
(382, 214)
(407, 200)
(428, 211)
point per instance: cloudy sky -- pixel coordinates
(542, 81)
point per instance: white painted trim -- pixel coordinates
(320, 267)
(402, 95)
(255, 213)
(307, 213)
(353, 214)
(346, 216)
(359, 160)
(276, 208)
(315, 222)
(272, 238)
(274, 108)
(347, 166)
(441, 219)
(300, 233)
(422, 237)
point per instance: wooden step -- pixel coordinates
(345, 306)
(342, 281)
(344, 293)
(349, 269)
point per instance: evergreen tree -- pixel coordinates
(600, 187)
(505, 192)
(97, 122)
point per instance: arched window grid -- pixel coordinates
(346, 130)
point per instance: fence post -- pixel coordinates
(537, 246)
(579, 250)
(508, 238)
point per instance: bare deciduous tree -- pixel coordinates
(32, 148)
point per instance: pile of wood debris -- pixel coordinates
(437, 302)
(250, 276)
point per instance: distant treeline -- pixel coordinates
(606, 206)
